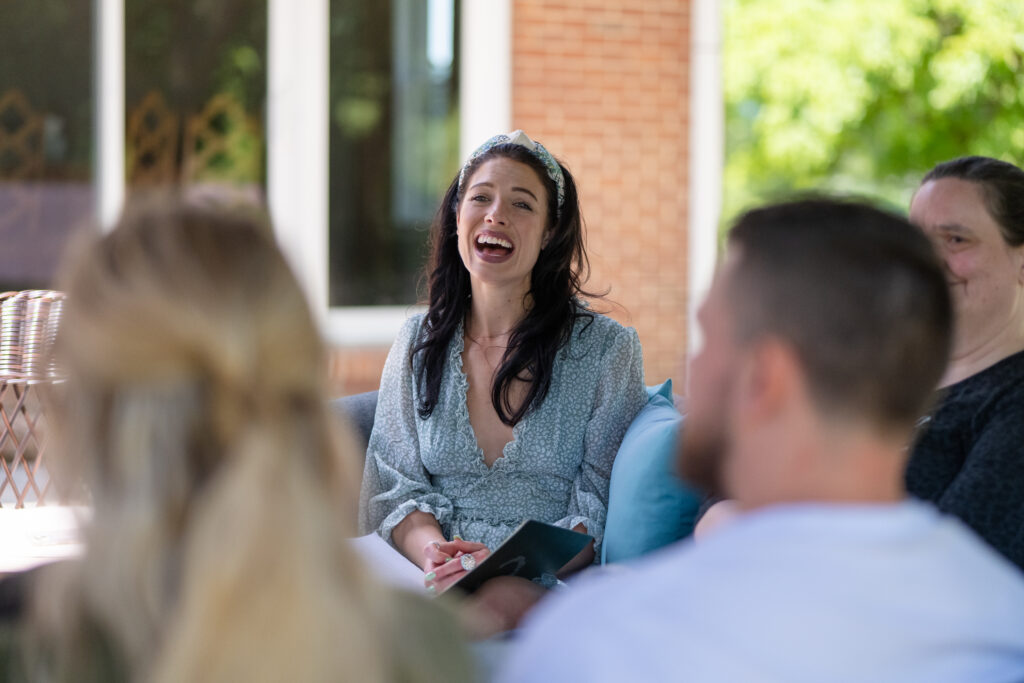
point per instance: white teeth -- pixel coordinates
(491, 239)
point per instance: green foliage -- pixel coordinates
(864, 96)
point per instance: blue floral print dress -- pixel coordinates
(556, 469)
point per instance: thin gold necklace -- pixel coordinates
(475, 340)
(483, 346)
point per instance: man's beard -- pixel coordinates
(701, 453)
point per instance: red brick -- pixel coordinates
(614, 107)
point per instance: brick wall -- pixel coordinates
(604, 85)
(355, 370)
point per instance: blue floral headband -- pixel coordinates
(518, 137)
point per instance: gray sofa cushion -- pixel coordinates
(359, 410)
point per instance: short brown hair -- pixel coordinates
(858, 292)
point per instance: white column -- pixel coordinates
(707, 149)
(297, 138)
(485, 75)
(108, 93)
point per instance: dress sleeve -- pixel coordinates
(988, 493)
(620, 396)
(395, 482)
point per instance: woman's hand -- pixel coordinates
(444, 563)
(583, 559)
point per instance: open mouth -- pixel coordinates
(492, 245)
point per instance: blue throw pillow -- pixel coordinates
(648, 505)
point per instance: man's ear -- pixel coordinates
(768, 379)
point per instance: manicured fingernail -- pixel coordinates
(447, 559)
(457, 537)
(430, 577)
(431, 590)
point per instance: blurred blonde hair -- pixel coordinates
(196, 413)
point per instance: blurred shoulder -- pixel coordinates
(598, 612)
(429, 645)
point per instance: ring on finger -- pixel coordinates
(468, 562)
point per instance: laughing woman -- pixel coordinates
(508, 398)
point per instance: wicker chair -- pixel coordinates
(28, 326)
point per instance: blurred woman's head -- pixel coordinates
(188, 316)
(195, 413)
(973, 208)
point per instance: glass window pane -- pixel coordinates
(46, 116)
(394, 142)
(195, 87)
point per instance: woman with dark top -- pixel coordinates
(508, 399)
(969, 457)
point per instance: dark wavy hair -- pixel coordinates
(1002, 186)
(555, 287)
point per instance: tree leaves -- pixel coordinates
(864, 96)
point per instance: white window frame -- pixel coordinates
(297, 142)
(298, 52)
(108, 110)
(707, 158)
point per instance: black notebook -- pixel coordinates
(534, 549)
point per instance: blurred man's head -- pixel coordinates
(822, 313)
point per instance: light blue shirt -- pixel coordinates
(556, 469)
(792, 594)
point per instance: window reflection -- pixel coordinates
(45, 135)
(394, 142)
(195, 82)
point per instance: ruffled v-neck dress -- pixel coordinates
(556, 469)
